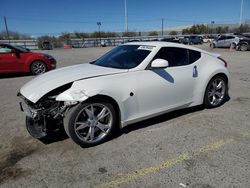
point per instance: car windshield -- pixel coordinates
(22, 49)
(124, 57)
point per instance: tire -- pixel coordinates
(38, 67)
(91, 123)
(216, 92)
(243, 47)
(212, 45)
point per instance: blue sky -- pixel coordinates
(56, 16)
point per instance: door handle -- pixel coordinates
(195, 71)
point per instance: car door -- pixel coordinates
(221, 42)
(228, 41)
(9, 60)
(166, 88)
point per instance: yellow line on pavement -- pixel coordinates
(169, 163)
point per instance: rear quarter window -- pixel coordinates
(194, 56)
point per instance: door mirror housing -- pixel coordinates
(159, 63)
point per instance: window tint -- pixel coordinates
(4, 49)
(194, 56)
(174, 56)
(222, 38)
(230, 37)
(124, 57)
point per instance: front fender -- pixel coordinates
(117, 87)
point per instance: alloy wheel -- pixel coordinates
(93, 123)
(216, 91)
(38, 68)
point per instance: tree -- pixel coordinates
(243, 28)
(185, 31)
(64, 37)
(81, 35)
(129, 34)
(13, 35)
(173, 33)
(153, 33)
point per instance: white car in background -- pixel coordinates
(132, 82)
(225, 41)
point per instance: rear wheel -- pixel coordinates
(38, 67)
(212, 45)
(216, 92)
(90, 123)
(243, 47)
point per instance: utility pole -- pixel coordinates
(126, 17)
(212, 26)
(241, 10)
(162, 25)
(6, 27)
(99, 29)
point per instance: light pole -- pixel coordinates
(162, 25)
(241, 11)
(99, 29)
(126, 16)
(212, 26)
(6, 27)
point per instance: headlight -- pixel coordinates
(48, 56)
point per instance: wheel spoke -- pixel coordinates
(92, 133)
(104, 112)
(81, 125)
(213, 100)
(102, 127)
(210, 94)
(218, 94)
(219, 86)
(90, 112)
(89, 133)
(214, 85)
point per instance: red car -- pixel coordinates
(15, 59)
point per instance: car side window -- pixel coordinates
(4, 50)
(174, 56)
(230, 37)
(222, 38)
(194, 56)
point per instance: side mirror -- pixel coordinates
(159, 63)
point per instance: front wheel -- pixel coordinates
(38, 67)
(90, 123)
(243, 47)
(216, 92)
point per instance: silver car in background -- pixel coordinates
(225, 41)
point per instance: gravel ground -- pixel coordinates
(197, 148)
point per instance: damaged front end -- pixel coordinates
(44, 117)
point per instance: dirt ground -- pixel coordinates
(198, 148)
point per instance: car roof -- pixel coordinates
(163, 44)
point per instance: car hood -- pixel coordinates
(41, 85)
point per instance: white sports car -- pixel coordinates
(132, 82)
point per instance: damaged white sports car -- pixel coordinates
(132, 82)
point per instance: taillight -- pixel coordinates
(225, 63)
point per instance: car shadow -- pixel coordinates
(158, 119)
(14, 75)
(164, 74)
